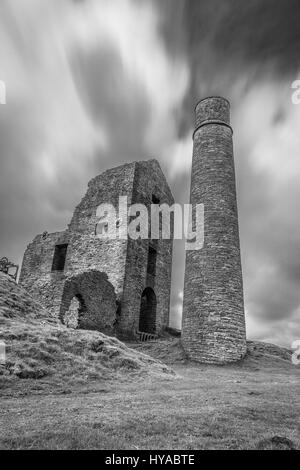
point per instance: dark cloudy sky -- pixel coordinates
(95, 83)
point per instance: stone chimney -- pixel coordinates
(213, 329)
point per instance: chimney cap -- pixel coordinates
(218, 97)
(213, 108)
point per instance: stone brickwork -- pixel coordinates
(124, 261)
(36, 274)
(213, 328)
(149, 181)
(96, 301)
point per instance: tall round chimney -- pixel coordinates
(213, 328)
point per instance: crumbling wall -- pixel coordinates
(96, 299)
(36, 274)
(87, 251)
(123, 260)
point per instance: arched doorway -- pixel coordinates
(89, 302)
(147, 322)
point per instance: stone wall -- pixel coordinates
(97, 302)
(87, 251)
(36, 274)
(124, 261)
(149, 181)
(213, 309)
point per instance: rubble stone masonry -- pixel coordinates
(122, 262)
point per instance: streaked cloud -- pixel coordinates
(94, 83)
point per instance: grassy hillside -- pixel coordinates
(169, 350)
(40, 348)
(67, 389)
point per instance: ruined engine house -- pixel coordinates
(118, 286)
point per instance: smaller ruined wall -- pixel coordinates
(36, 276)
(97, 299)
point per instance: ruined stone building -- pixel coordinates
(118, 286)
(213, 328)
